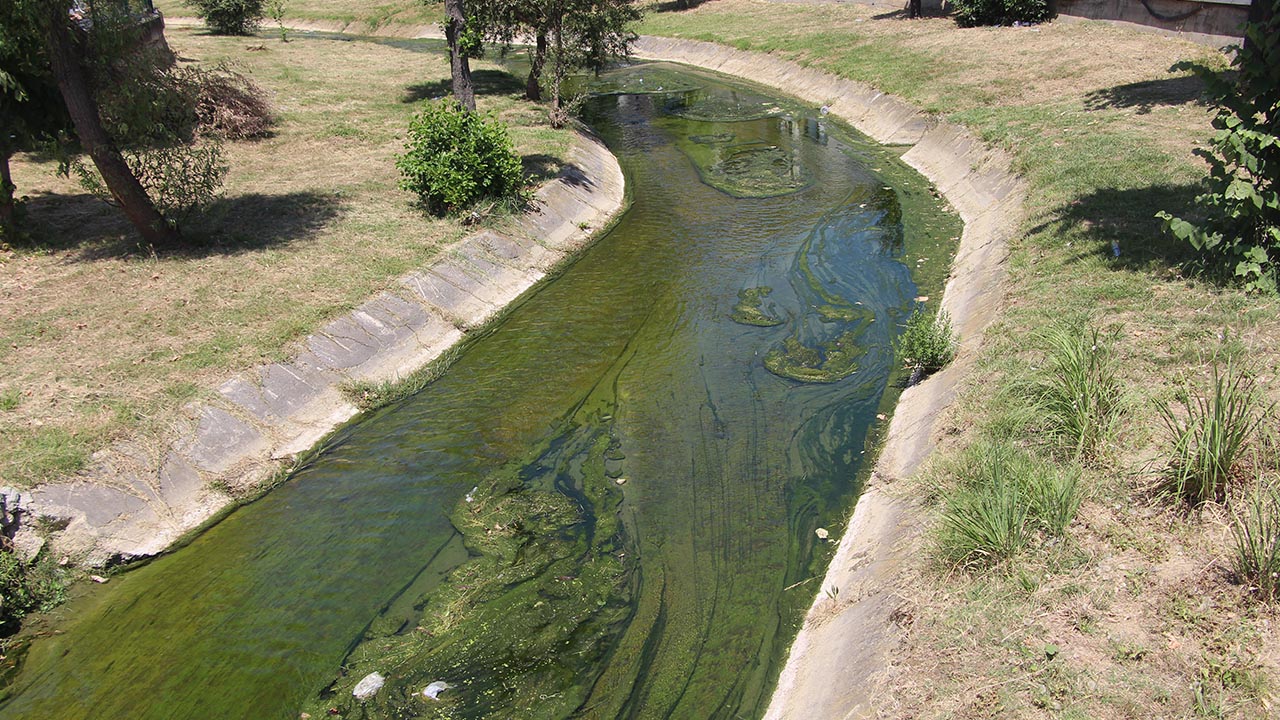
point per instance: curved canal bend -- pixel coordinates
(607, 507)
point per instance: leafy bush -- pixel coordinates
(1256, 560)
(1209, 435)
(1240, 236)
(1080, 397)
(971, 13)
(454, 158)
(26, 587)
(927, 344)
(229, 17)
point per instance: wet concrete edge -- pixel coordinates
(850, 631)
(137, 500)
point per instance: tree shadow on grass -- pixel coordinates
(88, 229)
(487, 82)
(1143, 97)
(1121, 226)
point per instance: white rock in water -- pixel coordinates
(433, 690)
(367, 687)
(822, 533)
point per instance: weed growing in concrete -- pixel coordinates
(1208, 434)
(927, 343)
(1080, 397)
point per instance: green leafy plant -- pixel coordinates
(1080, 395)
(1208, 434)
(275, 11)
(1256, 531)
(455, 158)
(927, 343)
(229, 17)
(971, 13)
(25, 587)
(1240, 235)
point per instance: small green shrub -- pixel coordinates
(1256, 560)
(1080, 396)
(26, 587)
(1209, 435)
(927, 344)
(1000, 498)
(1239, 236)
(229, 17)
(455, 158)
(971, 13)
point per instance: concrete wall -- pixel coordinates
(1216, 23)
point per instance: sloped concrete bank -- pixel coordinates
(135, 501)
(849, 631)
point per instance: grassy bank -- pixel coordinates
(103, 339)
(1132, 608)
(356, 17)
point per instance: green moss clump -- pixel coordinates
(750, 309)
(833, 360)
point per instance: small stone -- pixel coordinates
(368, 686)
(822, 533)
(432, 691)
(922, 298)
(98, 579)
(621, 481)
(304, 716)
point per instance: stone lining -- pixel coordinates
(849, 632)
(136, 501)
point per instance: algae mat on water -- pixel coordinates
(606, 508)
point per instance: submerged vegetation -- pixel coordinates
(750, 308)
(546, 586)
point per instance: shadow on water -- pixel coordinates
(1125, 219)
(1143, 97)
(244, 223)
(487, 82)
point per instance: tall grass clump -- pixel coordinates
(1080, 396)
(1208, 433)
(927, 343)
(1256, 530)
(1001, 499)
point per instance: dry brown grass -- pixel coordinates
(102, 337)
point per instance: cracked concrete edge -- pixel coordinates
(849, 634)
(134, 502)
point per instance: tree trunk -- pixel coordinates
(68, 70)
(459, 64)
(7, 189)
(533, 87)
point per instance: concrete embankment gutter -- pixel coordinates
(850, 631)
(136, 500)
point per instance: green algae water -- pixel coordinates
(607, 507)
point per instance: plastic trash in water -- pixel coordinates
(432, 691)
(368, 686)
